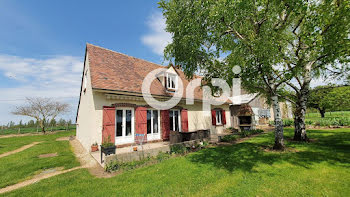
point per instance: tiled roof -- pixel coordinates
(111, 70)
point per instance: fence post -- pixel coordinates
(19, 130)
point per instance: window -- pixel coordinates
(153, 124)
(218, 117)
(171, 81)
(174, 116)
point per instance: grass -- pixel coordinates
(328, 115)
(33, 130)
(24, 165)
(319, 168)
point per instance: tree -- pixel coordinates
(275, 41)
(319, 43)
(214, 36)
(329, 98)
(62, 122)
(42, 109)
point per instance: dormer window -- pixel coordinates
(171, 81)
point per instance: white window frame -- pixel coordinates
(218, 116)
(125, 139)
(171, 77)
(152, 135)
(179, 119)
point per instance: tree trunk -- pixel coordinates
(279, 143)
(300, 111)
(322, 112)
(299, 122)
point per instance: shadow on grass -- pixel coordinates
(332, 148)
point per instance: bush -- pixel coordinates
(288, 122)
(162, 156)
(117, 165)
(245, 133)
(229, 138)
(178, 149)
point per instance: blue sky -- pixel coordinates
(43, 42)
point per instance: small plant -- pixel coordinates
(117, 165)
(229, 138)
(178, 149)
(107, 142)
(162, 156)
(94, 147)
(288, 122)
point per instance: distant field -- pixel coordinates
(33, 129)
(328, 115)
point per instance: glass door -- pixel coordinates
(153, 126)
(124, 126)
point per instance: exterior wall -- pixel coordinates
(86, 119)
(91, 120)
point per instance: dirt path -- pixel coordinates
(35, 179)
(19, 150)
(88, 161)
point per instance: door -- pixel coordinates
(124, 126)
(175, 120)
(153, 126)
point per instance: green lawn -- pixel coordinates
(23, 165)
(319, 168)
(328, 115)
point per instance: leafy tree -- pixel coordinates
(328, 98)
(42, 109)
(62, 122)
(274, 41)
(53, 122)
(31, 123)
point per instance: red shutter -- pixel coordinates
(223, 117)
(164, 114)
(141, 122)
(184, 120)
(108, 128)
(213, 117)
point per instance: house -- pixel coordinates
(111, 102)
(112, 107)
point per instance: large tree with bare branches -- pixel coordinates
(42, 109)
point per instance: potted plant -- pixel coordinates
(94, 147)
(108, 147)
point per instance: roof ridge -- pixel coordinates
(125, 55)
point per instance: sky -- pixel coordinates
(42, 45)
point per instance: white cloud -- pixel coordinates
(158, 38)
(57, 77)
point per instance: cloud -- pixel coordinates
(158, 38)
(58, 77)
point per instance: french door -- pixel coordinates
(175, 120)
(153, 125)
(124, 128)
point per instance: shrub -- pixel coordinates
(178, 149)
(162, 156)
(117, 165)
(228, 138)
(288, 122)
